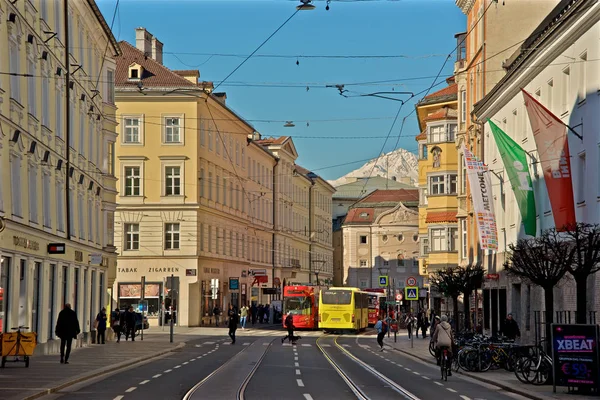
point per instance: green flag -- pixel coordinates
(516, 166)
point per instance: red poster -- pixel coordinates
(553, 148)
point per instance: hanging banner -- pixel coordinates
(550, 136)
(483, 206)
(516, 166)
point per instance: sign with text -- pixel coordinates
(575, 355)
(234, 283)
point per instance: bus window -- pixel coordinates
(336, 297)
(297, 305)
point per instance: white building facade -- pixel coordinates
(563, 75)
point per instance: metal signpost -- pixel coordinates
(142, 301)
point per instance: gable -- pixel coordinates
(290, 148)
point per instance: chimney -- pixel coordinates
(148, 44)
(221, 97)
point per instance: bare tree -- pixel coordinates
(586, 241)
(470, 278)
(543, 261)
(447, 282)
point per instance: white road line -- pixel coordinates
(427, 378)
(166, 371)
(297, 372)
(198, 345)
(209, 342)
(416, 373)
(451, 390)
(306, 344)
(401, 366)
(325, 345)
(462, 396)
(144, 382)
(157, 376)
(438, 383)
(118, 397)
(185, 363)
(226, 344)
(265, 344)
(308, 396)
(295, 358)
(408, 369)
(299, 382)
(296, 364)
(131, 389)
(192, 360)
(346, 345)
(246, 344)
(177, 366)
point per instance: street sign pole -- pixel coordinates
(171, 312)
(143, 291)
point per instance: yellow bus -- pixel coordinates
(343, 308)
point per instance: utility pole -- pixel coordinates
(68, 118)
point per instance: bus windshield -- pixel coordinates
(336, 297)
(297, 305)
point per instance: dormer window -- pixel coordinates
(135, 72)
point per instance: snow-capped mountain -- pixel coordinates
(402, 165)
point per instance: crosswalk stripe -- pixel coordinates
(247, 344)
(306, 344)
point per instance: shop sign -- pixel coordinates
(25, 243)
(165, 269)
(78, 256)
(96, 259)
(57, 248)
(244, 286)
(211, 270)
(575, 355)
(190, 272)
(258, 272)
(134, 270)
(234, 283)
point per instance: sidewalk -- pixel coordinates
(501, 378)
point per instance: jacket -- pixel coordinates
(442, 335)
(67, 325)
(233, 321)
(289, 322)
(244, 312)
(379, 326)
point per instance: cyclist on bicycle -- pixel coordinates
(443, 339)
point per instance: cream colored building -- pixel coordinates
(56, 156)
(198, 189)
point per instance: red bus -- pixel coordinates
(303, 303)
(376, 302)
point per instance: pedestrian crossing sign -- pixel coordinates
(411, 293)
(383, 280)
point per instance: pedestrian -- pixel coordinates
(233, 323)
(289, 325)
(381, 328)
(216, 313)
(511, 328)
(67, 329)
(101, 325)
(253, 312)
(243, 316)
(422, 324)
(130, 320)
(410, 321)
(115, 319)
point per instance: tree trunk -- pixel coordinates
(455, 312)
(549, 304)
(467, 309)
(581, 283)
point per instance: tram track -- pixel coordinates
(354, 386)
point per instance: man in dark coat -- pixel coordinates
(130, 320)
(511, 328)
(232, 323)
(67, 329)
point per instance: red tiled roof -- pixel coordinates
(442, 113)
(379, 196)
(270, 141)
(187, 72)
(421, 136)
(354, 215)
(154, 74)
(436, 217)
(448, 90)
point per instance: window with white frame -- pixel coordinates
(463, 180)
(58, 106)
(32, 85)
(453, 239)
(81, 214)
(363, 263)
(82, 130)
(132, 181)
(224, 191)
(424, 152)
(172, 130)
(436, 184)
(132, 236)
(438, 239)
(14, 67)
(210, 246)
(97, 212)
(45, 100)
(464, 243)
(60, 206)
(566, 88)
(131, 128)
(463, 106)
(210, 186)
(90, 219)
(44, 10)
(16, 185)
(172, 181)
(110, 85)
(172, 236)
(437, 134)
(452, 129)
(91, 153)
(453, 183)
(425, 246)
(582, 89)
(33, 190)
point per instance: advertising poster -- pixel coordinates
(575, 355)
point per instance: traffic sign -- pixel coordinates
(411, 293)
(399, 297)
(383, 280)
(411, 281)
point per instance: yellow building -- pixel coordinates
(57, 187)
(202, 196)
(438, 180)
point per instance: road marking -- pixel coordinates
(118, 397)
(295, 358)
(209, 343)
(296, 364)
(451, 390)
(325, 345)
(131, 389)
(426, 377)
(185, 363)
(408, 369)
(462, 396)
(166, 371)
(225, 344)
(192, 360)
(416, 373)
(287, 345)
(439, 384)
(157, 376)
(297, 372)
(246, 344)
(308, 396)
(401, 366)
(177, 366)
(265, 344)
(306, 344)
(198, 345)
(144, 382)
(299, 382)
(346, 345)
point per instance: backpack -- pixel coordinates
(384, 327)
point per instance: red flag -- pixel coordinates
(552, 143)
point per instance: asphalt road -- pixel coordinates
(262, 368)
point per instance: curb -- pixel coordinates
(98, 373)
(506, 387)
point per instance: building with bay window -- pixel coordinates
(57, 187)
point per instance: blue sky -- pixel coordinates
(195, 31)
